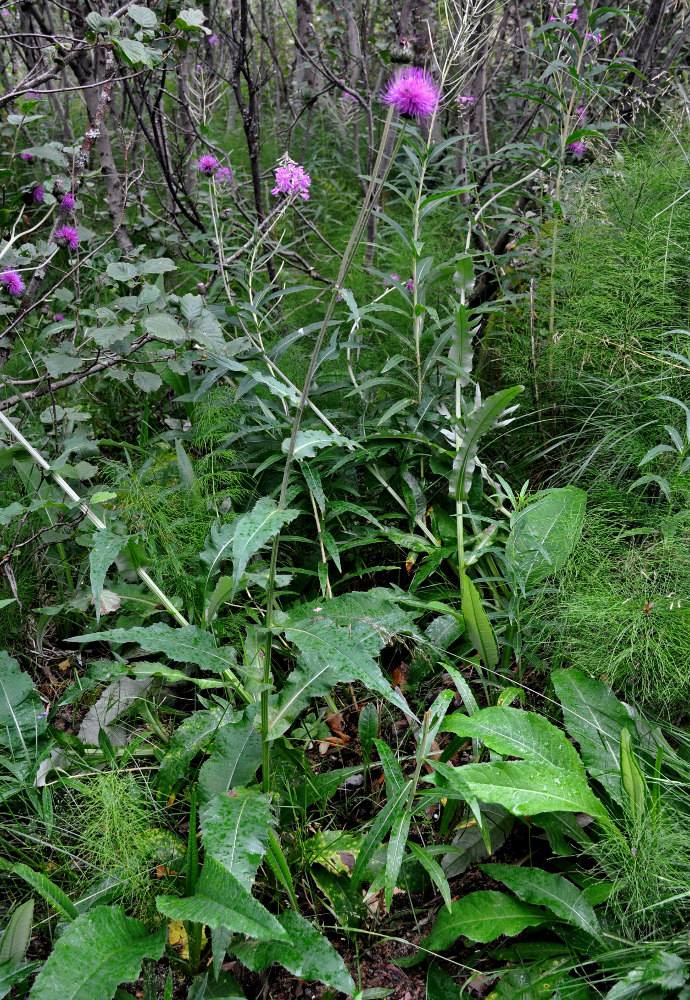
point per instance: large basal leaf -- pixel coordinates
(524, 788)
(235, 831)
(104, 551)
(594, 717)
(191, 736)
(478, 423)
(482, 916)
(21, 710)
(220, 900)
(253, 530)
(542, 888)
(97, 952)
(468, 843)
(188, 644)
(235, 756)
(307, 954)
(544, 533)
(478, 625)
(218, 547)
(516, 733)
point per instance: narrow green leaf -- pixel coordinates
(478, 625)
(253, 530)
(377, 832)
(52, 894)
(395, 853)
(632, 778)
(433, 870)
(17, 934)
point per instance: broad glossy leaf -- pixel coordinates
(235, 830)
(542, 888)
(254, 529)
(478, 625)
(220, 900)
(516, 733)
(307, 954)
(544, 533)
(482, 916)
(525, 788)
(594, 717)
(234, 759)
(97, 952)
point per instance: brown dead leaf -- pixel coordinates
(399, 678)
(64, 665)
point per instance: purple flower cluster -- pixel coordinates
(58, 317)
(208, 164)
(67, 203)
(597, 36)
(569, 13)
(462, 99)
(577, 148)
(291, 178)
(67, 236)
(413, 92)
(37, 194)
(223, 175)
(13, 282)
(27, 156)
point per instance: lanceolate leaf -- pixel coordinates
(544, 533)
(395, 853)
(524, 788)
(191, 735)
(544, 889)
(482, 916)
(253, 530)
(235, 831)
(377, 832)
(52, 894)
(478, 423)
(184, 645)
(99, 950)
(17, 934)
(220, 900)
(307, 954)
(478, 625)
(234, 759)
(106, 548)
(516, 733)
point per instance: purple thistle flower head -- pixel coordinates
(67, 203)
(413, 92)
(13, 282)
(291, 178)
(67, 236)
(58, 317)
(213, 40)
(577, 148)
(27, 156)
(208, 164)
(37, 194)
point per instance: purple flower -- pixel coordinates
(572, 16)
(213, 40)
(577, 148)
(13, 282)
(67, 236)
(412, 92)
(58, 317)
(462, 99)
(67, 203)
(596, 36)
(223, 175)
(32, 95)
(37, 194)
(581, 113)
(208, 164)
(291, 178)
(347, 96)
(388, 282)
(27, 156)
(409, 285)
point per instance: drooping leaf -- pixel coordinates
(395, 853)
(382, 823)
(309, 442)
(52, 893)
(188, 644)
(99, 950)
(220, 900)
(306, 954)
(524, 788)
(478, 625)
(164, 327)
(544, 533)
(433, 870)
(516, 733)
(234, 759)
(195, 732)
(104, 551)
(235, 831)
(541, 888)
(482, 916)
(253, 530)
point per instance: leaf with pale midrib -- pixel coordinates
(542, 888)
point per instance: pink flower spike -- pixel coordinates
(13, 282)
(578, 148)
(37, 194)
(291, 178)
(67, 236)
(413, 92)
(208, 164)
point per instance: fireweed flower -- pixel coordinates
(67, 236)
(409, 285)
(581, 113)
(208, 164)
(27, 156)
(463, 99)
(597, 36)
(291, 178)
(13, 282)
(67, 203)
(578, 148)
(37, 194)
(223, 175)
(213, 40)
(413, 92)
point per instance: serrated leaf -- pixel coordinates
(234, 759)
(542, 888)
(307, 954)
(121, 270)
(103, 553)
(253, 530)
(191, 20)
(478, 423)
(220, 900)
(187, 644)
(433, 870)
(192, 735)
(482, 916)
(164, 327)
(147, 381)
(99, 950)
(309, 442)
(142, 15)
(235, 831)
(478, 625)
(20, 708)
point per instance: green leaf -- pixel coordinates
(395, 853)
(307, 954)
(440, 986)
(191, 736)
(135, 53)
(51, 153)
(52, 894)
(220, 900)
(188, 644)
(104, 551)
(17, 934)
(309, 442)
(632, 778)
(377, 832)
(524, 788)
(479, 422)
(516, 733)
(234, 759)
(253, 530)
(100, 950)
(544, 533)
(15, 973)
(121, 270)
(20, 708)
(164, 327)
(142, 15)
(482, 916)
(433, 870)
(542, 888)
(235, 831)
(368, 728)
(191, 20)
(594, 718)
(147, 381)
(158, 265)
(478, 625)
